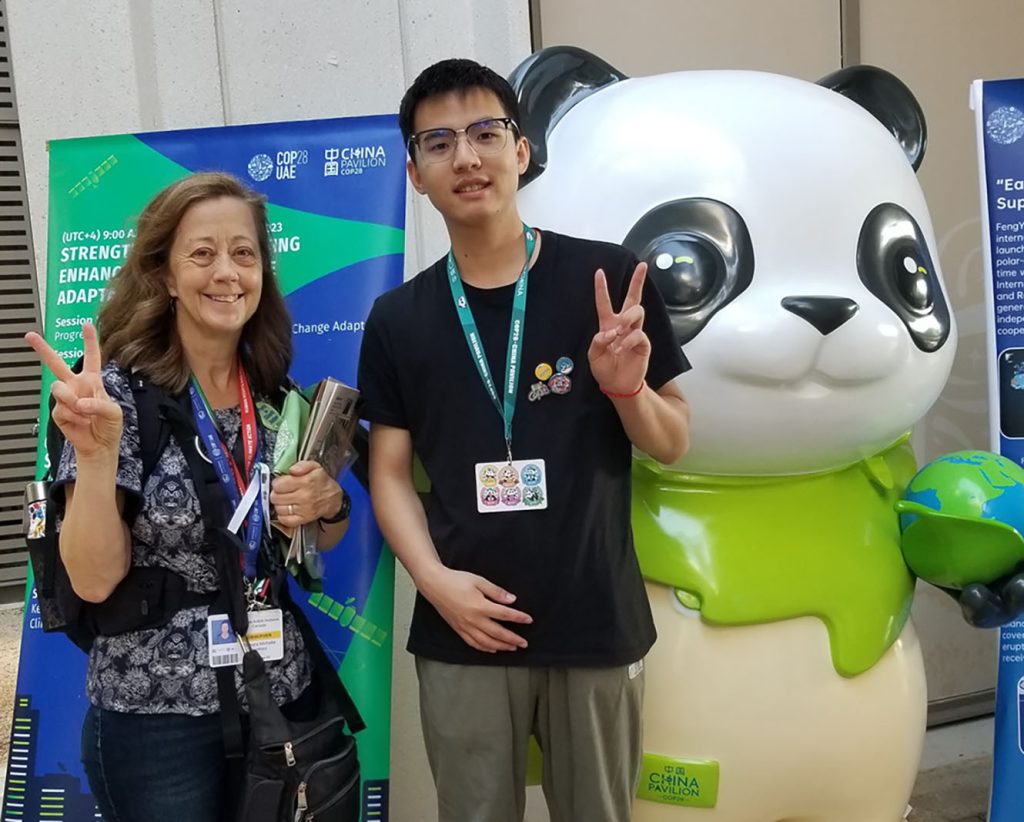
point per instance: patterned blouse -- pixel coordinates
(167, 670)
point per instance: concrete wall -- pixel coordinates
(800, 38)
(116, 66)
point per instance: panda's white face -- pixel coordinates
(791, 241)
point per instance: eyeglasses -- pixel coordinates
(436, 145)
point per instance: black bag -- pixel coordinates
(291, 770)
(306, 770)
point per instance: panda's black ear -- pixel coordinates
(889, 101)
(548, 84)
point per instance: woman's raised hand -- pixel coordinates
(83, 411)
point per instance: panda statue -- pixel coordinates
(785, 227)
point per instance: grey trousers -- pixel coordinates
(477, 721)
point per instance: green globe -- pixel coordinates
(962, 518)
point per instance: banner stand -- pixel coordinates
(336, 206)
(999, 119)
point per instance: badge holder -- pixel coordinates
(516, 485)
(265, 636)
(266, 625)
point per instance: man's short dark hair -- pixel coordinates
(458, 76)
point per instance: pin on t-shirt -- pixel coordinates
(552, 380)
(560, 384)
(538, 391)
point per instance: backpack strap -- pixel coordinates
(226, 548)
(154, 428)
(154, 434)
(213, 506)
(148, 596)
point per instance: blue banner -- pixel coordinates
(999, 112)
(336, 206)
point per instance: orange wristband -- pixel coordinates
(615, 396)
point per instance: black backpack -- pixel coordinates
(146, 597)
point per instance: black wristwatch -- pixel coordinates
(343, 512)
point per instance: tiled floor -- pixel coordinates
(953, 793)
(956, 770)
(10, 643)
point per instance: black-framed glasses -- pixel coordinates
(489, 136)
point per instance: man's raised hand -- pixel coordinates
(620, 350)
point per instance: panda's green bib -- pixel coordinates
(761, 549)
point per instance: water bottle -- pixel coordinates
(35, 509)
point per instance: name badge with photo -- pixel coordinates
(265, 636)
(520, 485)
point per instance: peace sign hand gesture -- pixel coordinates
(620, 350)
(83, 411)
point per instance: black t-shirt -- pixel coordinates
(571, 566)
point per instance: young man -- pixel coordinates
(522, 385)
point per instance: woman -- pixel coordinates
(197, 311)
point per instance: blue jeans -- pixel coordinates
(154, 768)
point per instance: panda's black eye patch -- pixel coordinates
(894, 264)
(698, 254)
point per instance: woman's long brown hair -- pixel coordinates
(136, 322)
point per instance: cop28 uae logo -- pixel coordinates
(261, 167)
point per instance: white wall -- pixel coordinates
(117, 66)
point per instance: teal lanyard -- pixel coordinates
(514, 354)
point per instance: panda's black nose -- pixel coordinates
(824, 313)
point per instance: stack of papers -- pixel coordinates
(327, 435)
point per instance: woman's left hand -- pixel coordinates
(304, 494)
